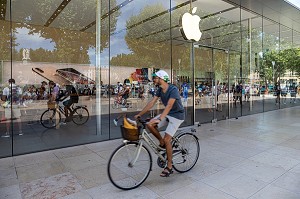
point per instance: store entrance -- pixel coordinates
(213, 86)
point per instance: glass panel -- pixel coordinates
(221, 36)
(270, 88)
(55, 41)
(181, 61)
(139, 45)
(106, 29)
(288, 77)
(296, 46)
(5, 65)
(204, 78)
(252, 49)
(220, 89)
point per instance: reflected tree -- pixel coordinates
(149, 39)
(6, 42)
(72, 41)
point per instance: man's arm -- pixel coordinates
(165, 112)
(168, 108)
(148, 106)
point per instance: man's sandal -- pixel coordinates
(166, 172)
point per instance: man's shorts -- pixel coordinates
(173, 124)
(15, 111)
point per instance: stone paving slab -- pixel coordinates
(260, 160)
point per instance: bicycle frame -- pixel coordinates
(145, 137)
(62, 110)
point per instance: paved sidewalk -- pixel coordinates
(256, 157)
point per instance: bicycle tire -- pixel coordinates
(182, 162)
(50, 118)
(123, 175)
(80, 115)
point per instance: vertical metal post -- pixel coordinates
(228, 84)
(98, 68)
(192, 59)
(250, 56)
(212, 83)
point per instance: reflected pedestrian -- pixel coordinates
(12, 95)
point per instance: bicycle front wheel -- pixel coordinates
(185, 152)
(80, 115)
(129, 166)
(50, 118)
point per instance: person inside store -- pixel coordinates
(172, 116)
(53, 91)
(141, 92)
(12, 95)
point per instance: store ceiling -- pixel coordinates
(276, 10)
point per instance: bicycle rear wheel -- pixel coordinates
(185, 152)
(80, 115)
(128, 167)
(50, 118)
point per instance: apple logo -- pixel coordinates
(190, 26)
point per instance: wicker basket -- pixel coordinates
(51, 105)
(130, 134)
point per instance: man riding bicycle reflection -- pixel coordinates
(172, 116)
(69, 97)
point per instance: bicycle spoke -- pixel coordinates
(133, 162)
(187, 158)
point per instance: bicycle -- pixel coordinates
(123, 103)
(130, 164)
(52, 117)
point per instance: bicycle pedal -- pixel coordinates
(160, 149)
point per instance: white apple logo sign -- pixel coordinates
(190, 26)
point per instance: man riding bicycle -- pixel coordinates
(70, 97)
(172, 116)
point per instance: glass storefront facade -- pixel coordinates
(245, 63)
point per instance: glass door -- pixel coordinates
(204, 78)
(220, 82)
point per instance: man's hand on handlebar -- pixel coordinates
(137, 116)
(154, 121)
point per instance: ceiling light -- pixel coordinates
(295, 3)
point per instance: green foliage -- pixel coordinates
(6, 41)
(71, 45)
(285, 60)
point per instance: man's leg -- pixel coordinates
(7, 122)
(153, 129)
(170, 132)
(20, 126)
(66, 111)
(167, 140)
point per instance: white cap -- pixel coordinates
(162, 75)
